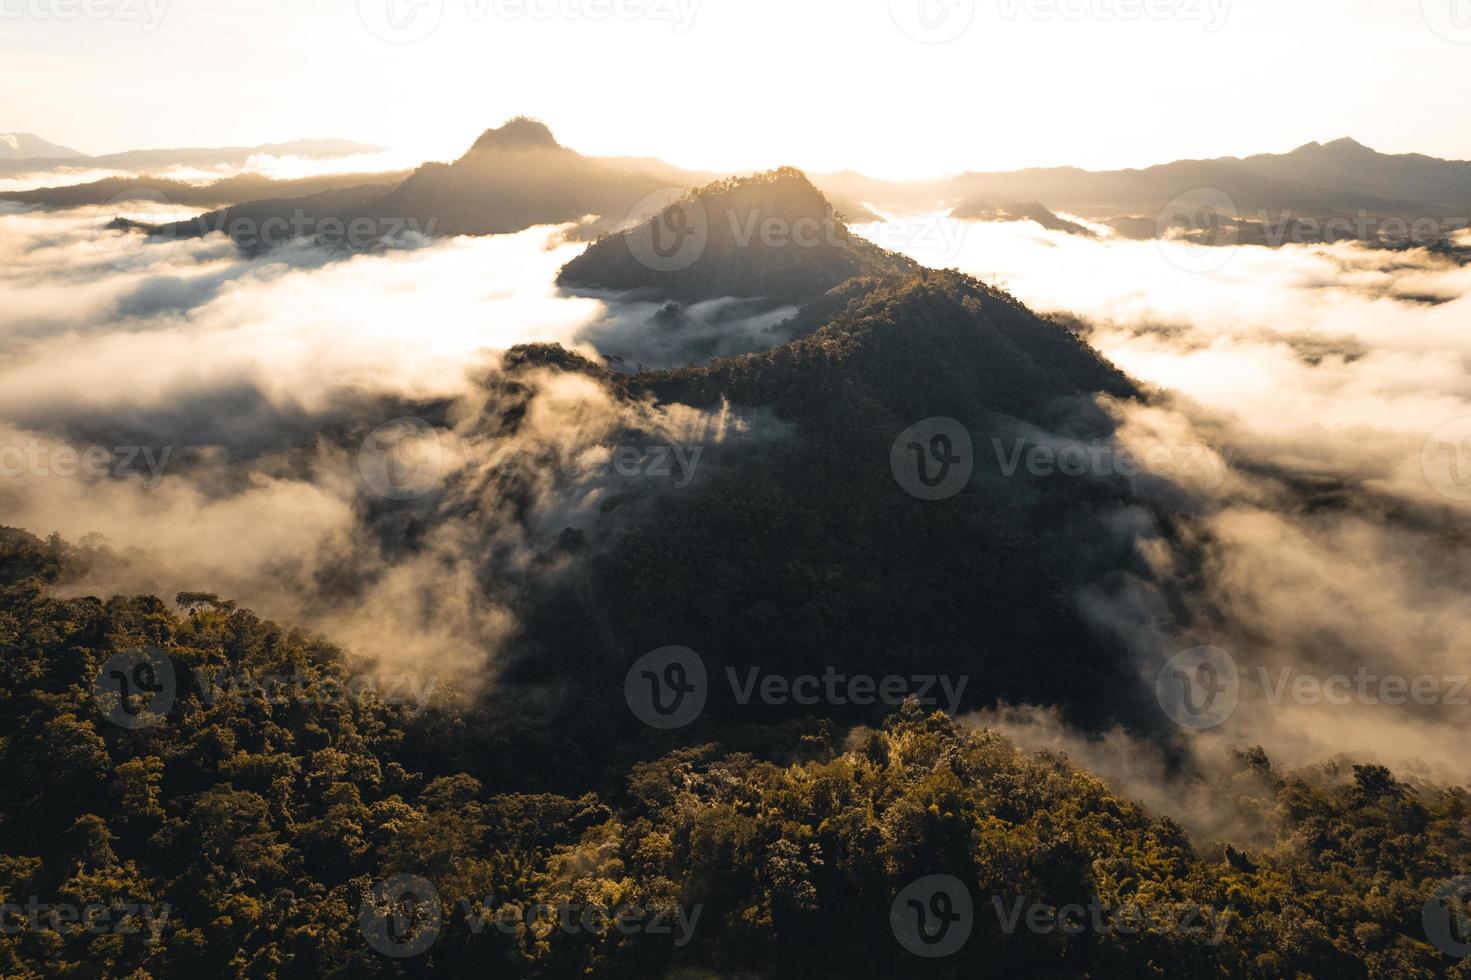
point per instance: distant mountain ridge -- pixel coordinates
(189, 156)
(1341, 177)
(1354, 167)
(21, 146)
(518, 175)
(115, 190)
(513, 177)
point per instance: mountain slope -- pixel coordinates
(1149, 190)
(795, 550)
(244, 187)
(932, 342)
(772, 235)
(189, 156)
(1351, 167)
(1342, 177)
(512, 178)
(21, 146)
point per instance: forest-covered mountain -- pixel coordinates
(247, 832)
(258, 801)
(799, 551)
(771, 235)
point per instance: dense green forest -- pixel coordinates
(254, 827)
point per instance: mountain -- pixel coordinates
(823, 558)
(519, 175)
(279, 811)
(316, 149)
(1350, 166)
(928, 342)
(773, 235)
(520, 133)
(1339, 179)
(512, 178)
(1024, 211)
(112, 190)
(248, 810)
(885, 195)
(1150, 190)
(224, 156)
(21, 146)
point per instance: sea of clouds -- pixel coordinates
(239, 404)
(1331, 384)
(1328, 385)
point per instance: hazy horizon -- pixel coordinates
(406, 156)
(1167, 80)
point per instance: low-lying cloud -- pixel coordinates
(1323, 540)
(1330, 561)
(260, 389)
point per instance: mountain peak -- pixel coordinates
(770, 235)
(1347, 144)
(785, 175)
(783, 193)
(1339, 147)
(520, 133)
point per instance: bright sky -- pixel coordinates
(889, 87)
